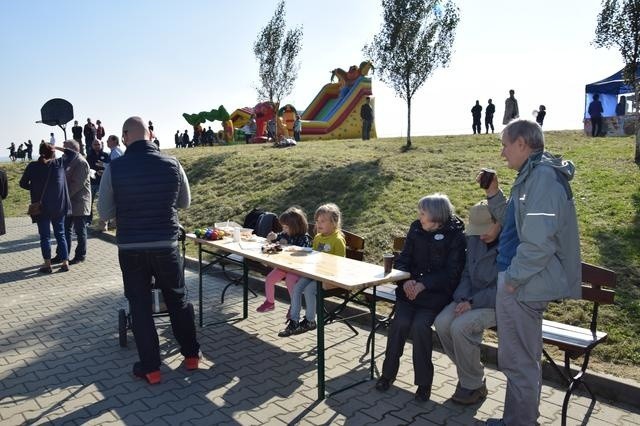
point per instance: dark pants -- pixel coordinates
(366, 129)
(165, 265)
(296, 135)
(596, 126)
(477, 125)
(414, 321)
(44, 229)
(488, 122)
(79, 223)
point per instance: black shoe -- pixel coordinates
(469, 396)
(64, 268)
(423, 393)
(305, 326)
(291, 328)
(383, 384)
(77, 259)
(56, 259)
(45, 270)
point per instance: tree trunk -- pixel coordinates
(409, 122)
(637, 104)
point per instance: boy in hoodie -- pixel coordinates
(538, 261)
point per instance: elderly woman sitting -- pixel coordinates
(434, 255)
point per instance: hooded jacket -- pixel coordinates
(547, 263)
(435, 259)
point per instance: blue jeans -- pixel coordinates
(138, 266)
(44, 229)
(308, 287)
(79, 223)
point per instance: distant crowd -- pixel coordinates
(511, 112)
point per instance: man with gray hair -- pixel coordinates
(538, 261)
(79, 186)
(143, 190)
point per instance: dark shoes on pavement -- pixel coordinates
(304, 326)
(423, 393)
(64, 268)
(495, 422)
(152, 377)
(289, 329)
(469, 396)
(56, 259)
(77, 259)
(45, 270)
(383, 384)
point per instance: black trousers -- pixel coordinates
(596, 123)
(477, 125)
(414, 321)
(488, 122)
(165, 265)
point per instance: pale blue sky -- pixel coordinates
(158, 59)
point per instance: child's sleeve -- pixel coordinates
(339, 248)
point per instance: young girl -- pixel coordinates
(328, 239)
(294, 232)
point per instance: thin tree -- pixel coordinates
(416, 38)
(276, 50)
(618, 26)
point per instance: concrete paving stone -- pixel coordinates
(15, 419)
(102, 419)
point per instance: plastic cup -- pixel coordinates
(387, 258)
(236, 235)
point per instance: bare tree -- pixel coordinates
(415, 39)
(276, 50)
(618, 26)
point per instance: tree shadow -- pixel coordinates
(353, 188)
(204, 167)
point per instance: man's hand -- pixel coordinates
(461, 308)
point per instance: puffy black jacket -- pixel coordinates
(436, 259)
(145, 185)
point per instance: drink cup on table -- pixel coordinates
(388, 262)
(236, 235)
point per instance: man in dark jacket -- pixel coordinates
(476, 113)
(488, 116)
(366, 114)
(144, 189)
(97, 160)
(434, 254)
(595, 112)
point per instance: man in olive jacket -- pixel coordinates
(538, 261)
(79, 186)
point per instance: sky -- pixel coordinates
(158, 59)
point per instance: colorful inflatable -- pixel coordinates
(264, 112)
(219, 114)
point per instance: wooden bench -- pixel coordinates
(597, 287)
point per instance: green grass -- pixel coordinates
(377, 185)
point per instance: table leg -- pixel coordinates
(245, 290)
(320, 329)
(372, 308)
(200, 282)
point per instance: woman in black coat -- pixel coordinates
(45, 179)
(4, 191)
(434, 255)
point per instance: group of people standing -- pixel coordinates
(596, 111)
(511, 112)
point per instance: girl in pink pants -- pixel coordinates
(294, 232)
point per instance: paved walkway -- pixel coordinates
(60, 361)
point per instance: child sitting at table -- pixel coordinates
(328, 239)
(294, 232)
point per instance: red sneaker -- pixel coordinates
(266, 306)
(191, 363)
(152, 377)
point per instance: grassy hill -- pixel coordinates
(377, 185)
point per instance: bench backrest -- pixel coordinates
(597, 287)
(355, 243)
(398, 245)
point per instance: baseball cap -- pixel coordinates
(480, 219)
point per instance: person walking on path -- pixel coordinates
(4, 193)
(538, 261)
(595, 112)
(511, 111)
(143, 190)
(366, 114)
(79, 186)
(476, 113)
(488, 116)
(45, 180)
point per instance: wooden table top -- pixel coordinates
(336, 270)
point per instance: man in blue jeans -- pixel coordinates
(538, 261)
(143, 190)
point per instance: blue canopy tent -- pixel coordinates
(609, 89)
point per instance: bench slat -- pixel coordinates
(568, 336)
